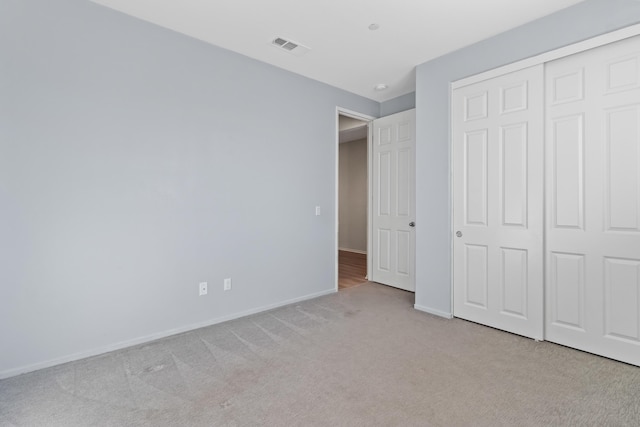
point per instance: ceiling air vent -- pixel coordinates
(294, 48)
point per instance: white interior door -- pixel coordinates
(593, 201)
(393, 201)
(497, 150)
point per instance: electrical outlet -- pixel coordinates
(227, 284)
(203, 288)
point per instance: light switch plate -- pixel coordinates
(203, 288)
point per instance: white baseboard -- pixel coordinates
(141, 340)
(355, 251)
(433, 311)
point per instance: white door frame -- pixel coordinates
(340, 111)
(597, 41)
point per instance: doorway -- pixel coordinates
(385, 233)
(353, 191)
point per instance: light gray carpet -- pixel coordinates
(362, 357)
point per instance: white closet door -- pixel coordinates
(593, 201)
(498, 194)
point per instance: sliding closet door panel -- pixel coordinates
(566, 289)
(498, 210)
(593, 201)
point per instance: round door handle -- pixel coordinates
(459, 233)
(412, 224)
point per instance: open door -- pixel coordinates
(392, 250)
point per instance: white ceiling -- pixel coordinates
(353, 134)
(344, 52)
(351, 129)
(346, 123)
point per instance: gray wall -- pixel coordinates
(135, 163)
(433, 239)
(398, 104)
(352, 191)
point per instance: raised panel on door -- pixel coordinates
(514, 175)
(385, 135)
(476, 177)
(566, 289)
(567, 169)
(403, 184)
(622, 73)
(475, 106)
(393, 239)
(497, 189)
(622, 192)
(477, 275)
(514, 281)
(383, 254)
(622, 299)
(566, 86)
(383, 203)
(513, 97)
(593, 201)
(403, 255)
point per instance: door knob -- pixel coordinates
(459, 233)
(412, 224)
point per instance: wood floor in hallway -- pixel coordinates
(352, 269)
